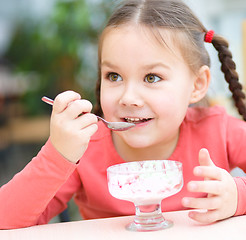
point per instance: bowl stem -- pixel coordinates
(148, 218)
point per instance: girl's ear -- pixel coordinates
(201, 84)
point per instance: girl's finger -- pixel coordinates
(76, 108)
(202, 203)
(87, 132)
(208, 172)
(212, 187)
(204, 158)
(84, 121)
(62, 100)
(205, 217)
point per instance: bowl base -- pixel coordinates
(149, 227)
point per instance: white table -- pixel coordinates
(114, 229)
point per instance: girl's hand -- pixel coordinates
(221, 201)
(70, 132)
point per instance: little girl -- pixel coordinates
(152, 66)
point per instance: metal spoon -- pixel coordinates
(115, 126)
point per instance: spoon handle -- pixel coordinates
(48, 100)
(115, 126)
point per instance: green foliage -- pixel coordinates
(56, 50)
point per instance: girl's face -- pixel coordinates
(146, 83)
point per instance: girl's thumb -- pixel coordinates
(204, 158)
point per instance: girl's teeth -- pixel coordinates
(136, 119)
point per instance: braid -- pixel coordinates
(228, 67)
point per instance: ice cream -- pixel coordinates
(145, 182)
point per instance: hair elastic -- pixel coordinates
(209, 36)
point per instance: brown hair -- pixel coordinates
(187, 29)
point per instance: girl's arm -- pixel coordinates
(24, 200)
(237, 150)
(241, 189)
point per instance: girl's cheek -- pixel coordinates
(107, 104)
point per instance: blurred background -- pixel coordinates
(49, 46)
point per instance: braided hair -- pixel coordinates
(228, 67)
(188, 32)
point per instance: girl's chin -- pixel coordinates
(136, 140)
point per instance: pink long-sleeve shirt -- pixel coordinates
(43, 188)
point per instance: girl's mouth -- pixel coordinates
(137, 120)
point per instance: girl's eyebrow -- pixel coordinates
(147, 66)
(158, 64)
(108, 64)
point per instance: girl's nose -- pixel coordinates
(131, 96)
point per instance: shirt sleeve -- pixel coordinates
(241, 188)
(236, 142)
(24, 200)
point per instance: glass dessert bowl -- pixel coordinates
(146, 184)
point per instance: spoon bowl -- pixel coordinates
(115, 126)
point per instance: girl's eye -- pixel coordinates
(151, 78)
(114, 77)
